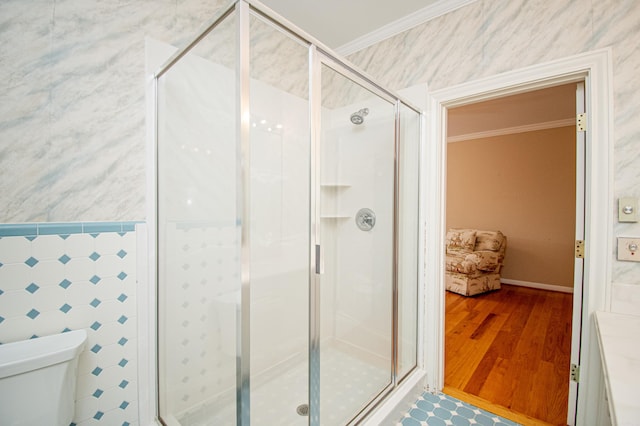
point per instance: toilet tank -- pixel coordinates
(38, 379)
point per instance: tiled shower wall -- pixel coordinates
(60, 277)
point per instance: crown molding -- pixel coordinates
(513, 130)
(412, 20)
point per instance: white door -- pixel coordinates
(576, 324)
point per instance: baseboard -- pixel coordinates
(550, 287)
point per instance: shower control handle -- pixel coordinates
(365, 219)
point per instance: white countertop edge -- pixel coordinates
(619, 342)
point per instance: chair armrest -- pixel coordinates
(485, 260)
(457, 262)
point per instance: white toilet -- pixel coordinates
(38, 379)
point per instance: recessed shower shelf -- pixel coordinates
(335, 185)
(334, 216)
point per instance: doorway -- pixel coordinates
(594, 68)
(511, 167)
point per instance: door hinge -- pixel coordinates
(580, 249)
(575, 373)
(581, 122)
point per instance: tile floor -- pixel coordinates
(440, 409)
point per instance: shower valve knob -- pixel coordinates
(365, 219)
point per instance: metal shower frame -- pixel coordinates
(319, 55)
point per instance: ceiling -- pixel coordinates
(347, 25)
(338, 22)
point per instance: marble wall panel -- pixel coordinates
(489, 37)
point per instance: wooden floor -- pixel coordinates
(508, 352)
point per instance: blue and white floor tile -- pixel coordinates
(440, 410)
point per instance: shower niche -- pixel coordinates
(274, 307)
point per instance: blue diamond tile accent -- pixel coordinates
(95, 303)
(96, 348)
(2, 292)
(122, 319)
(64, 236)
(121, 254)
(34, 336)
(94, 234)
(32, 288)
(98, 415)
(65, 308)
(122, 341)
(122, 276)
(126, 424)
(94, 256)
(121, 298)
(1, 319)
(65, 283)
(95, 279)
(98, 393)
(96, 325)
(123, 362)
(66, 330)
(64, 259)
(96, 371)
(31, 237)
(0, 264)
(32, 261)
(123, 384)
(33, 313)
(124, 405)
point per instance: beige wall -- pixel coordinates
(523, 185)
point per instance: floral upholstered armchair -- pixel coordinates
(473, 260)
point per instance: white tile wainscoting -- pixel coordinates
(56, 277)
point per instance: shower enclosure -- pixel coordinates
(287, 230)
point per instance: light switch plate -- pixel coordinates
(629, 249)
(627, 209)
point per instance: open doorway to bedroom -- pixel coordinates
(511, 167)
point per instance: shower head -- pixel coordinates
(358, 116)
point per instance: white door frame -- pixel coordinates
(594, 68)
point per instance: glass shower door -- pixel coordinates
(356, 234)
(279, 225)
(287, 224)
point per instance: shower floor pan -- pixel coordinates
(277, 396)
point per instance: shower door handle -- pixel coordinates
(319, 260)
